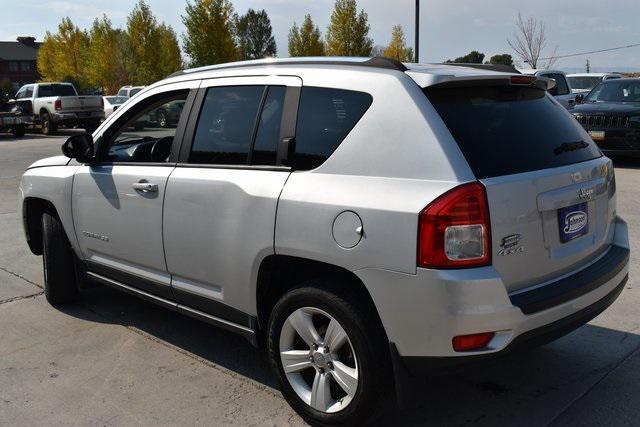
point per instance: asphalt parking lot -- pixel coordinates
(114, 360)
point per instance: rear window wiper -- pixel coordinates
(569, 146)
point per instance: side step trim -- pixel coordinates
(233, 327)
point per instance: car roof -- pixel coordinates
(423, 74)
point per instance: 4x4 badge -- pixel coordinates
(511, 245)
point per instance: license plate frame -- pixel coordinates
(573, 221)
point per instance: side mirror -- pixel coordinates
(79, 147)
(579, 98)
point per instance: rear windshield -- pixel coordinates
(55, 90)
(503, 130)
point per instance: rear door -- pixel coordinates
(551, 194)
(221, 200)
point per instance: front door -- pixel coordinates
(117, 201)
(221, 200)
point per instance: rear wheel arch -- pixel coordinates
(32, 210)
(278, 274)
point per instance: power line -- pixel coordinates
(590, 52)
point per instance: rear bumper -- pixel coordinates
(10, 121)
(424, 366)
(421, 313)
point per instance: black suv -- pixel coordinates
(611, 115)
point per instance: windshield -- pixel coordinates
(55, 90)
(134, 91)
(616, 91)
(503, 130)
(116, 99)
(584, 82)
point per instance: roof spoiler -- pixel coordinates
(502, 68)
(497, 80)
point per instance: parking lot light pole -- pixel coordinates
(417, 41)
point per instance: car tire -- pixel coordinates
(362, 361)
(60, 279)
(18, 132)
(48, 127)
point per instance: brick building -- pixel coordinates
(18, 61)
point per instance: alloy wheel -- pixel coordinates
(318, 359)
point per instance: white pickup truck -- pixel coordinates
(58, 104)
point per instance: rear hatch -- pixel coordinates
(550, 191)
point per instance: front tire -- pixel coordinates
(330, 355)
(60, 283)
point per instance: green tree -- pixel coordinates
(106, 56)
(64, 57)
(397, 48)
(254, 34)
(210, 32)
(504, 59)
(306, 40)
(348, 31)
(473, 57)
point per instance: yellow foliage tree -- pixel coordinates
(397, 48)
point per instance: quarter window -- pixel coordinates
(325, 118)
(225, 128)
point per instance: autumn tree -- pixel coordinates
(305, 40)
(397, 48)
(348, 31)
(210, 34)
(170, 60)
(145, 40)
(63, 55)
(254, 35)
(106, 56)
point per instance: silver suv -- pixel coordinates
(364, 220)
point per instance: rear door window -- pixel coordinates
(265, 147)
(225, 127)
(503, 130)
(325, 118)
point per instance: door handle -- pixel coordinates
(145, 186)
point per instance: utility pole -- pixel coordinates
(588, 66)
(417, 42)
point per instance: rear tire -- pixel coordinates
(60, 283)
(48, 127)
(362, 359)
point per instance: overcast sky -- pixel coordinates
(449, 28)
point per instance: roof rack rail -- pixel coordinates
(375, 62)
(489, 67)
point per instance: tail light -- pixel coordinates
(58, 104)
(523, 80)
(454, 229)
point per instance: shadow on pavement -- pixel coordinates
(530, 388)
